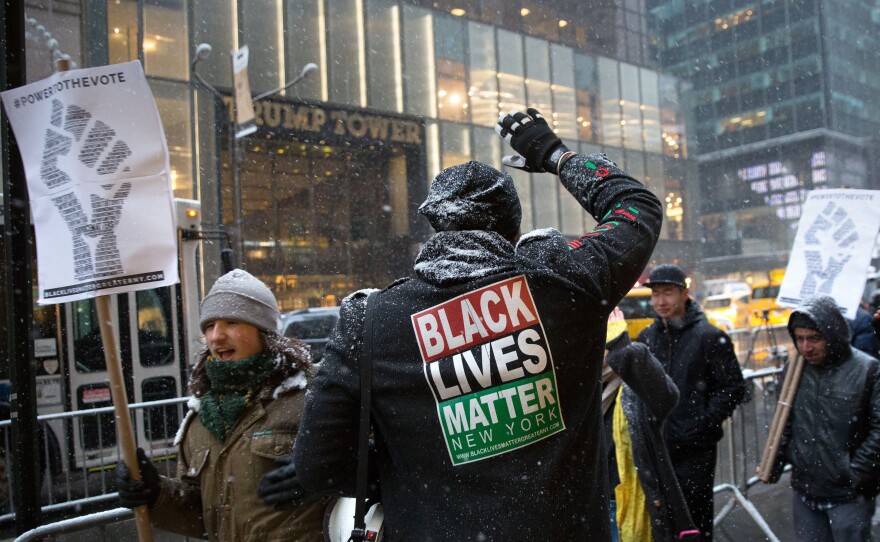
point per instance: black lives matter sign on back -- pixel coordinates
(489, 367)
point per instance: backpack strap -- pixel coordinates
(366, 367)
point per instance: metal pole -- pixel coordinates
(18, 243)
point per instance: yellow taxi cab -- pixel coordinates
(637, 310)
(727, 311)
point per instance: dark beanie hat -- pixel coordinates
(473, 196)
(241, 297)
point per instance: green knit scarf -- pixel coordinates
(233, 385)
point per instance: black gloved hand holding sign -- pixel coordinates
(134, 493)
(530, 135)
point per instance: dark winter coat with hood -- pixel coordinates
(862, 329)
(214, 494)
(486, 376)
(648, 396)
(832, 439)
(700, 359)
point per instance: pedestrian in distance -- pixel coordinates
(637, 395)
(832, 436)
(486, 361)
(700, 359)
(862, 331)
(248, 389)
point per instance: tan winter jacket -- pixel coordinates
(215, 493)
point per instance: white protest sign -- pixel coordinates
(97, 169)
(832, 248)
(245, 118)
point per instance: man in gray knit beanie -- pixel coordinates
(241, 297)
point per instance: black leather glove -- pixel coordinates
(530, 135)
(134, 493)
(280, 487)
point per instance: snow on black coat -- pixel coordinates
(648, 396)
(832, 438)
(700, 359)
(486, 376)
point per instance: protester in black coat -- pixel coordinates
(486, 398)
(863, 337)
(647, 397)
(700, 359)
(832, 437)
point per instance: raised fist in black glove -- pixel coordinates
(280, 487)
(530, 135)
(134, 493)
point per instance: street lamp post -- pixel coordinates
(202, 52)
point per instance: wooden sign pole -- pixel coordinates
(780, 417)
(124, 433)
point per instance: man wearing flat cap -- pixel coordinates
(700, 359)
(832, 437)
(486, 361)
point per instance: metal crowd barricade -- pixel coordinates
(740, 450)
(72, 481)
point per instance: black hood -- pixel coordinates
(453, 257)
(473, 196)
(826, 318)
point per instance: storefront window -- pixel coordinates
(609, 91)
(483, 90)
(304, 42)
(564, 109)
(523, 183)
(345, 52)
(213, 23)
(511, 87)
(122, 29)
(587, 96)
(650, 111)
(449, 50)
(671, 119)
(418, 42)
(456, 144)
(173, 102)
(259, 22)
(630, 105)
(538, 77)
(166, 53)
(487, 146)
(545, 199)
(384, 68)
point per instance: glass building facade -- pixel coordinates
(322, 199)
(783, 100)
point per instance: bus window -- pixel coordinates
(88, 350)
(99, 431)
(154, 327)
(160, 422)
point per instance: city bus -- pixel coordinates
(156, 339)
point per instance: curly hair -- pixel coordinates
(291, 356)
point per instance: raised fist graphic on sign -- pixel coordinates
(831, 241)
(75, 136)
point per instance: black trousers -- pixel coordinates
(695, 469)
